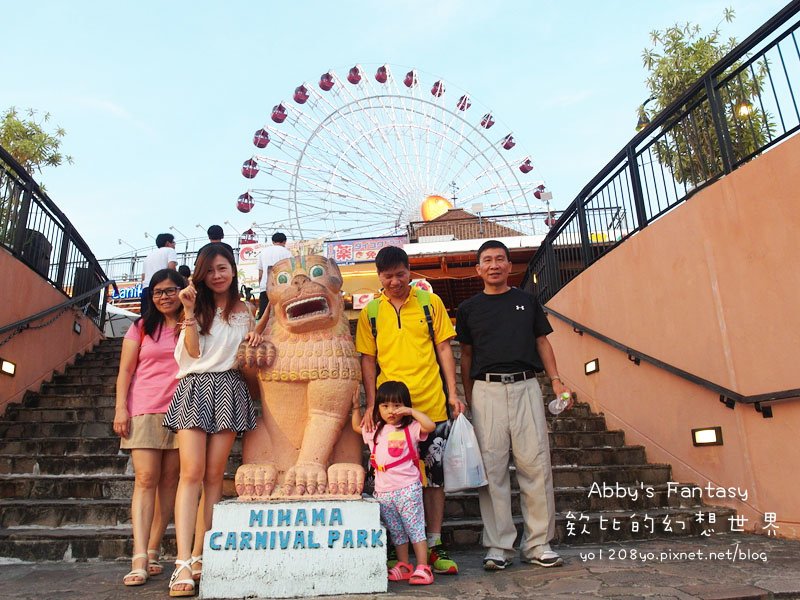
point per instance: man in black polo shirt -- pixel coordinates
(503, 334)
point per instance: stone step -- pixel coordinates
(60, 401)
(65, 513)
(92, 378)
(61, 415)
(105, 371)
(465, 504)
(584, 476)
(22, 429)
(93, 487)
(60, 446)
(55, 512)
(76, 464)
(115, 542)
(72, 389)
(78, 543)
(625, 455)
(576, 528)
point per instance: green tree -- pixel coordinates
(677, 58)
(31, 145)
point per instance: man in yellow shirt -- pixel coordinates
(404, 351)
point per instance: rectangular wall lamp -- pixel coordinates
(592, 367)
(707, 436)
(8, 367)
(76, 327)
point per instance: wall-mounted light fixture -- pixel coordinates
(76, 327)
(7, 367)
(592, 367)
(707, 436)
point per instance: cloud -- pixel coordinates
(114, 110)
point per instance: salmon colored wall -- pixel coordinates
(712, 287)
(38, 352)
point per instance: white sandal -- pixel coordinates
(153, 565)
(197, 573)
(136, 572)
(180, 565)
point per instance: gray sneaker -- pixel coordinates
(495, 563)
(548, 558)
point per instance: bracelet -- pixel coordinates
(552, 379)
(187, 322)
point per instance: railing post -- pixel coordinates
(586, 250)
(62, 257)
(22, 219)
(720, 125)
(636, 185)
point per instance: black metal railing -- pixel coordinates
(743, 105)
(36, 232)
(727, 396)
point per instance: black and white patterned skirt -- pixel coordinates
(213, 402)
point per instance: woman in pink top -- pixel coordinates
(393, 453)
(145, 384)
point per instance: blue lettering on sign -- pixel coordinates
(230, 541)
(311, 542)
(129, 293)
(261, 540)
(333, 537)
(299, 540)
(256, 518)
(245, 540)
(317, 516)
(284, 538)
(336, 517)
(347, 540)
(300, 518)
(377, 537)
(284, 517)
(212, 541)
(361, 540)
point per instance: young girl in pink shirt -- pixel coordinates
(398, 489)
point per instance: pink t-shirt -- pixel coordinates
(153, 382)
(391, 446)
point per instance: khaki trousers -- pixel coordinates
(511, 417)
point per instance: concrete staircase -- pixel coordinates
(65, 487)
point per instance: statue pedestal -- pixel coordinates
(294, 548)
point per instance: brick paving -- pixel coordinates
(747, 567)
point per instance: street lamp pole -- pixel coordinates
(185, 237)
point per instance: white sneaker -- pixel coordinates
(548, 558)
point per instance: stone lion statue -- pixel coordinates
(307, 374)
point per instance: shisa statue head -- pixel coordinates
(306, 293)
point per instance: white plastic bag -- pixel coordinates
(463, 466)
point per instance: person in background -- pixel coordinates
(211, 403)
(503, 334)
(163, 257)
(268, 257)
(215, 235)
(403, 349)
(185, 271)
(145, 384)
(398, 490)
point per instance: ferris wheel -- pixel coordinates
(365, 155)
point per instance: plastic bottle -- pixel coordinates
(558, 405)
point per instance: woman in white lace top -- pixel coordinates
(211, 403)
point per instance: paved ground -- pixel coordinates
(747, 567)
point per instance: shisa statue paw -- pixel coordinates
(345, 479)
(304, 479)
(256, 481)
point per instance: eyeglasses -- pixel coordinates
(168, 292)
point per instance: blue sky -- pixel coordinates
(160, 99)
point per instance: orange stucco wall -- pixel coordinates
(36, 352)
(713, 287)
